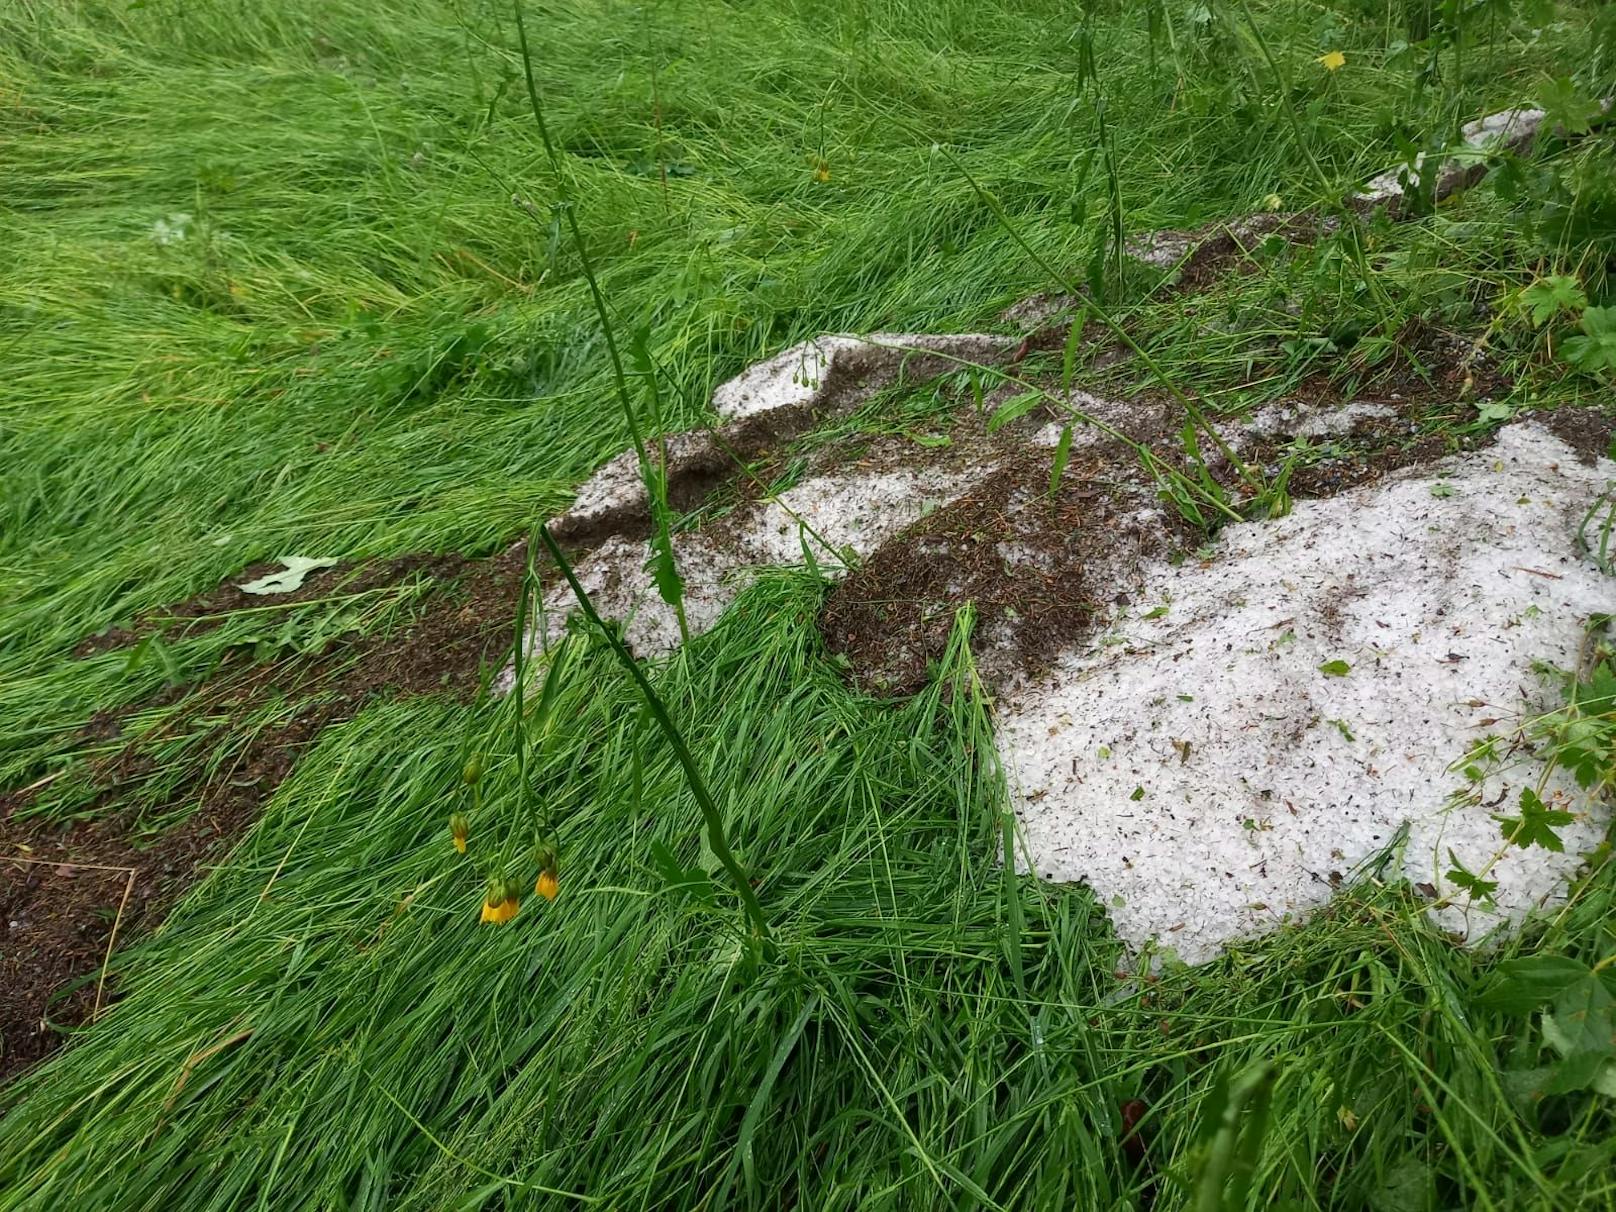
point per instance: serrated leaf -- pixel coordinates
(665, 571)
(1536, 824)
(1461, 877)
(1567, 106)
(662, 565)
(291, 577)
(1598, 693)
(1595, 349)
(1548, 297)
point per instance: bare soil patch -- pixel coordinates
(207, 611)
(69, 894)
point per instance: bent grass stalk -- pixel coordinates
(653, 702)
(667, 574)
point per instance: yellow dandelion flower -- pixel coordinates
(548, 886)
(1332, 61)
(459, 827)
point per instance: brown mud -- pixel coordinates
(70, 894)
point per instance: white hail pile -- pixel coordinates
(1209, 780)
(825, 515)
(796, 376)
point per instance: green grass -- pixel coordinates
(360, 347)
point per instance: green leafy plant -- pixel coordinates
(1567, 106)
(1576, 1008)
(1595, 350)
(1536, 824)
(1547, 298)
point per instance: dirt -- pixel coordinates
(1044, 569)
(70, 894)
(1039, 567)
(1591, 432)
(205, 612)
(1222, 246)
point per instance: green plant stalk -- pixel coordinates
(653, 702)
(652, 475)
(1179, 395)
(1158, 470)
(1349, 218)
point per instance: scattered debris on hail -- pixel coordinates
(1240, 731)
(1270, 717)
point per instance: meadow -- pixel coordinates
(302, 279)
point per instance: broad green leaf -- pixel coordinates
(1335, 669)
(1522, 985)
(1582, 1020)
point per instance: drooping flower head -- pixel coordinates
(501, 902)
(549, 882)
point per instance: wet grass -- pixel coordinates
(290, 280)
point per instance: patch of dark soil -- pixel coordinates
(69, 894)
(1591, 432)
(206, 611)
(1040, 567)
(1222, 246)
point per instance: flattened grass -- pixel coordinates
(266, 292)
